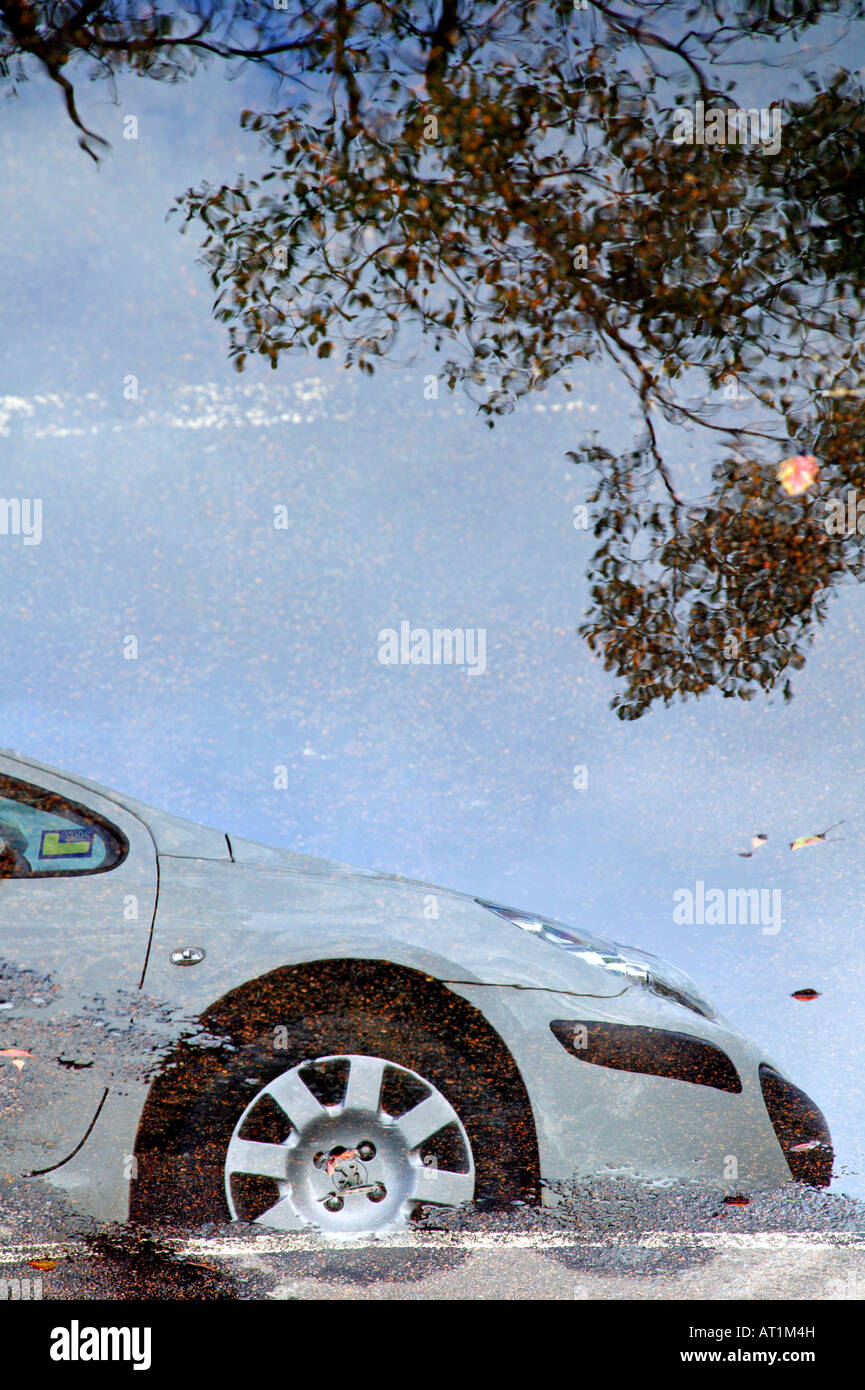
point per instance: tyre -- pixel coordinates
(351, 1121)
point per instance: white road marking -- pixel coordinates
(21, 1254)
(298, 1243)
(230, 1248)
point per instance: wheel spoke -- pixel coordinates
(363, 1091)
(261, 1160)
(282, 1216)
(295, 1098)
(448, 1189)
(355, 1129)
(424, 1120)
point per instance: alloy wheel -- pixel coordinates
(349, 1143)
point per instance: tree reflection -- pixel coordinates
(507, 178)
(724, 593)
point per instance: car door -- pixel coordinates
(78, 881)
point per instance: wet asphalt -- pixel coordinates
(604, 1240)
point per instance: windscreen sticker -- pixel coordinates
(66, 844)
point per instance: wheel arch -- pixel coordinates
(261, 1004)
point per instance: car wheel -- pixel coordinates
(381, 1140)
(345, 1123)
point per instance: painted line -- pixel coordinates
(20, 1254)
(299, 1243)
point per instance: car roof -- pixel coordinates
(174, 835)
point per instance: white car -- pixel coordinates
(196, 1027)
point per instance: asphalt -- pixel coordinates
(604, 1241)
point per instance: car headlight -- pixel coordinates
(632, 966)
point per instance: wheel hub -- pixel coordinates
(345, 1168)
(386, 1180)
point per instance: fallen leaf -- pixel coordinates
(757, 842)
(805, 840)
(16, 1055)
(797, 473)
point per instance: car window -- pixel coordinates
(42, 834)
